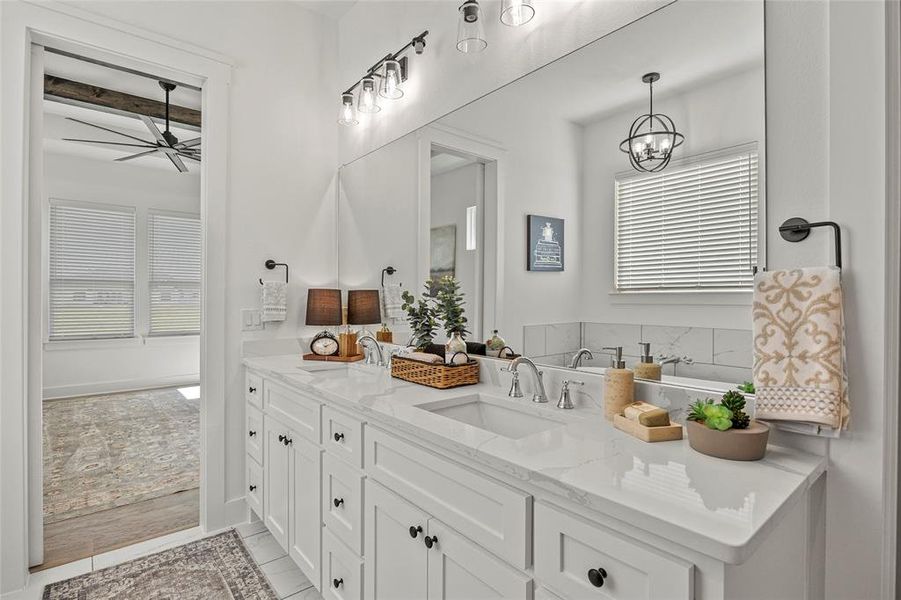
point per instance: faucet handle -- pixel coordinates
(565, 399)
(569, 382)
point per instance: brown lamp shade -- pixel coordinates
(323, 306)
(363, 307)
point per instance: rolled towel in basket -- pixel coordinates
(799, 347)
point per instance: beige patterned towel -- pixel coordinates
(799, 347)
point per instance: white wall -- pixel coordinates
(443, 79)
(100, 366)
(713, 115)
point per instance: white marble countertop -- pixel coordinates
(720, 508)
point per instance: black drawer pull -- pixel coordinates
(337, 502)
(338, 582)
(597, 577)
(253, 487)
(339, 437)
(430, 541)
(415, 530)
(288, 441)
(282, 438)
(252, 390)
(251, 433)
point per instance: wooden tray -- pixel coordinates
(336, 358)
(436, 375)
(666, 433)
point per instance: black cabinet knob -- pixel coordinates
(338, 582)
(415, 530)
(288, 441)
(253, 487)
(430, 541)
(251, 433)
(597, 577)
(339, 437)
(252, 390)
(337, 502)
(281, 438)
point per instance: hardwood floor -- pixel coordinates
(81, 537)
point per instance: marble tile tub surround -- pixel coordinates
(718, 354)
(667, 489)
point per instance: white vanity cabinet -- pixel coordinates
(277, 479)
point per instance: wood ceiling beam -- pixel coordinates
(74, 92)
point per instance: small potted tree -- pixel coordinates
(724, 430)
(449, 308)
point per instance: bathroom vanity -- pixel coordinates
(382, 489)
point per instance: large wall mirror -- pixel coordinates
(562, 241)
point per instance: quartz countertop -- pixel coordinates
(720, 508)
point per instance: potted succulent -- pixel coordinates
(724, 430)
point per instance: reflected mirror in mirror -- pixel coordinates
(663, 227)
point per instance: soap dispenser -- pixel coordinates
(619, 385)
(646, 368)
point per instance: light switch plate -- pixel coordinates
(251, 319)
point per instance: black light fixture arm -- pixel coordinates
(797, 229)
(371, 72)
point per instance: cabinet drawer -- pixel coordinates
(342, 571)
(568, 547)
(486, 511)
(343, 435)
(254, 433)
(342, 501)
(255, 486)
(253, 389)
(295, 409)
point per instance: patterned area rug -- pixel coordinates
(217, 567)
(101, 452)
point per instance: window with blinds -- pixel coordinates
(174, 269)
(92, 272)
(690, 227)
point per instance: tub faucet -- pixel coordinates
(374, 344)
(665, 359)
(577, 359)
(540, 394)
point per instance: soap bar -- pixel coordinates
(647, 414)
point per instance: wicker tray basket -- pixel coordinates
(434, 375)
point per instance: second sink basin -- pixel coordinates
(492, 415)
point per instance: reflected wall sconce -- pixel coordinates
(470, 33)
(652, 137)
(517, 12)
(382, 80)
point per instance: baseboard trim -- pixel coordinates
(115, 387)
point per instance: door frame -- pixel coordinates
(57, 25)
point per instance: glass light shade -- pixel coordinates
(347, 116)
(391, 81)
(470, 34)
(517, 12)
(366, 102)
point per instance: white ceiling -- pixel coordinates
(333, 9)
(443, 162)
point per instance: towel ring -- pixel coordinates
(389, 271)
(271, 264)
(797, 229)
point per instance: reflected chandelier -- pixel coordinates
(652, 137)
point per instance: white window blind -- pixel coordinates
(174, 246)
(690, 227)
(92, 272)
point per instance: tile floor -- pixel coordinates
(288, 582)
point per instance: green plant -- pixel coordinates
(746, 387)
(421, 316)
(718, 417)
(728, 414)
(735, 402)
(696, 410)
(449, 306)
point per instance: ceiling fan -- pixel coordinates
(165, 142)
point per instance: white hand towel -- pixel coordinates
(799, 347)
(392, 301)
(274, 301)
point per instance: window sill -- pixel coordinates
(683, 297)
(108, 344)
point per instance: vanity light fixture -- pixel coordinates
(652, 137)
(392, 70)
(517, 12)
(470, 34)
(347, 116)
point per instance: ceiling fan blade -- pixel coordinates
(190, 156)
(189, 143)
(109, 130)
(178, 163)
(154, 130)
(138, 155)
(148, 145)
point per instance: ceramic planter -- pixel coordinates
(732, 444)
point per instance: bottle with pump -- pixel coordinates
(646, 368)
(619, 385)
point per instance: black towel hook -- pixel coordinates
(271, 264)
(797, 229)
(389, 271)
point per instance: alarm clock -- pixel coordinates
(324, 344)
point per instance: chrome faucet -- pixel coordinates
(376, 345)
(515, 392)
(665, 359)
(565, 399)
(577, 359)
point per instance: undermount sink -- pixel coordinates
(334, 371)
(492, 415)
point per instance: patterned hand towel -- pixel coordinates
(392, 301)
(274, 301)
(799, 347)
